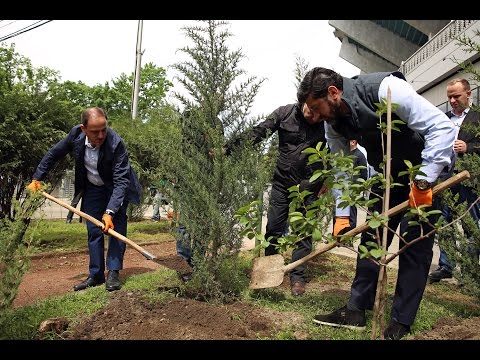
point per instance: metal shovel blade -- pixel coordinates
(267, 271)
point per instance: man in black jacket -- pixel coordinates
(459, 96)
(296, 131)
(358, 160)
(104, 175)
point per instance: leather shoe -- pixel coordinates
(113, 280)
(297, 288)
(90, 282)
(396, 331)
(439, 274)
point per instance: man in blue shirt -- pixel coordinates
(349, 110)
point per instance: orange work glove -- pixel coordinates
(342, 225)
(419, 197)
(108, 222)
(35, 185)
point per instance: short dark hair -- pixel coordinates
(316, 82)
(89, 112)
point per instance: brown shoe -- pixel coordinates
(298, 288)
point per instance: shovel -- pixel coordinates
(100, 225)
(268, 271)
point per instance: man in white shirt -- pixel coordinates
(459, 96)
(348, 107)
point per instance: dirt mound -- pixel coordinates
(453, 329)
(130, 317)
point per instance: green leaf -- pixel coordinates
(377, 253)
(309, 151)
(295, 219)
(374, 223)
(316, 235)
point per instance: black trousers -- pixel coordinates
(414, 264)
(277, 218)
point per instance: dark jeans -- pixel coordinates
(465, 194)
(277, 218)
(183, 245)
(414, 264)
(95, 201)
(353, 216)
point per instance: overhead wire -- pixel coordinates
(25, 29)
(11, 22)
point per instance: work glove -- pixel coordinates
(419, 197)
(342, 225)
(35, 185)
(107, 221)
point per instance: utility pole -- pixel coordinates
(138, 66)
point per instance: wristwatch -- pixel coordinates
(422, 184)
(109, 212)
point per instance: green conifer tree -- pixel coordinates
(209, 185)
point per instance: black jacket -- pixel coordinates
(113, 166)
(294, 136)
(471, 119)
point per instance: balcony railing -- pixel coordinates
(449, 33)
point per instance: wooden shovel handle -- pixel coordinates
(393, 211)
(97, 222)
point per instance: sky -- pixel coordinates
(97, 51)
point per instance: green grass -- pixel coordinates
(440, 301)
(23, 323)
(57, 236)
(330, 275)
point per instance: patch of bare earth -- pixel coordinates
(55, 274)
(129, 317)
(453, 329)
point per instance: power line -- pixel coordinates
(11, 22)
(25, 29)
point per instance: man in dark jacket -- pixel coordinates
(459, 96)
(426, 137)
(296, 131)
(104, 175)
(358, 160)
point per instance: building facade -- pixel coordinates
(427, 52)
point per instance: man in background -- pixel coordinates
(358, 160)
(459, 96)
(297, 130)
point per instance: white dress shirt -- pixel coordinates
(91, 161)
(422, 117)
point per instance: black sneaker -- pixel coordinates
(439, 274)
(350, 319)
(396, 331)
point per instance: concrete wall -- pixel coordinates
(438, 94)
